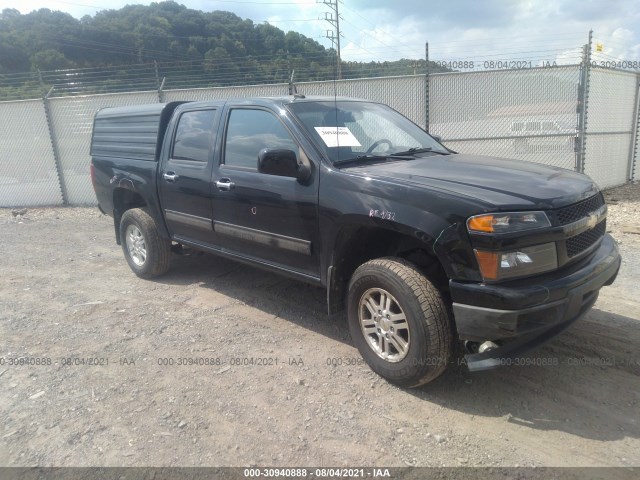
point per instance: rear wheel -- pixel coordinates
(399, 322)
(146, 251)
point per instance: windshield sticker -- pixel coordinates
(337, 137)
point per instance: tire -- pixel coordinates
(418, 343)
(147, 252)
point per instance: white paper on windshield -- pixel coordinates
(337, 137)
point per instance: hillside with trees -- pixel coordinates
(135, 46)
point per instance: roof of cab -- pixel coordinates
(158, 108)
(274, 101)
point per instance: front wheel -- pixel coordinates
(399, 322)
(146, 251)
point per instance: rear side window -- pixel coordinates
(248, 132)
(193, 136)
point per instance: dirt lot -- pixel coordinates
(68, 296)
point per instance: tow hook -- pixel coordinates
(477, 347)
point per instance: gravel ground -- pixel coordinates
(219, 364)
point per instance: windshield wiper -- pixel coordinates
(376, 156)
(415, 150)
(360, 158)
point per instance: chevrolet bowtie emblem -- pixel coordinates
(592, 220)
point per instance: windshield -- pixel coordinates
(348, 130)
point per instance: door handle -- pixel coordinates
(170, 176)
(225, 184)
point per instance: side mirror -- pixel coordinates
(283, 163)
(437, 138)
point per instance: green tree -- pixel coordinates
(51, 59)
(13, 59)
(192, 48)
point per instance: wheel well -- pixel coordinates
(357, 245)
(124, 200)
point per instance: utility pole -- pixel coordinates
(333, 18)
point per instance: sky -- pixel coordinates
(541, 31)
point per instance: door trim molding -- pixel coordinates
(283, 242)
(256, 262)
(191, 220)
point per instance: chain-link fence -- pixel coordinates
(522, 114)
(405, 94)
(544, 115)
(72, 121)
(28, 173)
(218, 93)
(611, 118)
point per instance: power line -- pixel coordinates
(333, 18)
(98, 7)
(369, 22)
(286, 21)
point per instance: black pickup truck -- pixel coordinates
(423, 246)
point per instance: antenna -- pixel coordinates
(334, 35)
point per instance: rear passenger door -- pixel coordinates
(185, 176)
(266, 218)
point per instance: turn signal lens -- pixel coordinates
(482, 223)
(488, 262)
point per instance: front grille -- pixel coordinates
(578, 210)
(581, 242)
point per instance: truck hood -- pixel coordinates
(499, 182)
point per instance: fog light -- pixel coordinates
(513, 259)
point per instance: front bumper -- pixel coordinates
(525, 313)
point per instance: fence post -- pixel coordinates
(161, 91)
(426, 88)
(583, 104)
(633, 152)
(159, 84)
(54, 148)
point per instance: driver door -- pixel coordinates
(266, 218)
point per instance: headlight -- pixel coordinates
(525, 261)
(507, 222)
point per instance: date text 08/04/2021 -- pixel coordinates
(528, 64)
(321, 472)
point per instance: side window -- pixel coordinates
(193, 136)
(248, 132)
